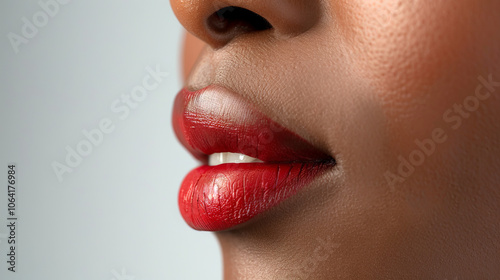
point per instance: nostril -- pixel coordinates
(235, 20)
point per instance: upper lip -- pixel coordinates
(215, 120)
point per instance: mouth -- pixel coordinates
(250, 163)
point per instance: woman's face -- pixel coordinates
(404, 95)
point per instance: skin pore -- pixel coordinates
(405, 95)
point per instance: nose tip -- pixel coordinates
(218, 22)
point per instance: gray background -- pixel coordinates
(115, 216)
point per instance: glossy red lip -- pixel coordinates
(215, 120)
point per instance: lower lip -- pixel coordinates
(216, 198)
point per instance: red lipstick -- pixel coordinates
(215, 120)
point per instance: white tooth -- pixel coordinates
(221, 158)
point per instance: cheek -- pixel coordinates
(420, 57)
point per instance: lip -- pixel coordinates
(216, 120)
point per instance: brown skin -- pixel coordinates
(192, 49)
(363, 80)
